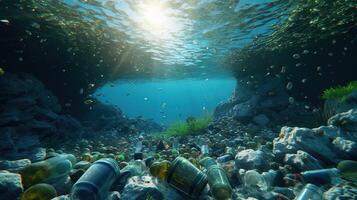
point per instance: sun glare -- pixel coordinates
(155, 19)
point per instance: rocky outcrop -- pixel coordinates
(29, 115)
(106, 118)
(265, 105)
(302, 161)
(326, 143)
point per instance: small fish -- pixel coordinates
(88, 101)
(145, 98)
(127, 94)
(2, 71)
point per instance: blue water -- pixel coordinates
(167, 101)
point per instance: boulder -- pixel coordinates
(292, 139)
(261, 120)
(141, 188)
(347, 148)
(346, 120)
(14, 166)
(245, 110)
(10, 186)
(251, 159)
(302, 161)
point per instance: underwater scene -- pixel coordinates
(178, 99)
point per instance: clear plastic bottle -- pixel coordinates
(310, 192)
(204, 151)
(95, 183)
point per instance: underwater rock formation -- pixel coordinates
(266, 104)
(29, 115)
(329, 144)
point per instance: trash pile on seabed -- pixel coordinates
(300, 163)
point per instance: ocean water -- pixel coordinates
(167, 101)
(266, 88)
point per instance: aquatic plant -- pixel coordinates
(339, 92)
(190, 127)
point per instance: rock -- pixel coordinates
(346, 120)
(261, 120)
(141, 188)
(223, 109)
(14, 166)
(302, 161)
(346, 147)
(341, 192)
(114, 196)
(250, 159)
(10, 186)
(37, 154)
(291, 140)
(245, 110)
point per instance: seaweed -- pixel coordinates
(339, 92)
(193, 126)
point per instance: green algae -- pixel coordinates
(339, 92)
(190, 127)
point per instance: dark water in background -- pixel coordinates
(80, 45)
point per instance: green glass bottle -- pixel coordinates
(217, 179)
(47, 169)
(186, 177)
(40, 191)
(348, 169)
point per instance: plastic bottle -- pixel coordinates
(95, 183)
(217, 179)
(227, 157)
(46, 170)
(310, 192)
(138, 155)
(321, 176)
(252, 178)
(204, 151)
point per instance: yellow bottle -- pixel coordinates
(40, 191)
(47, 169)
